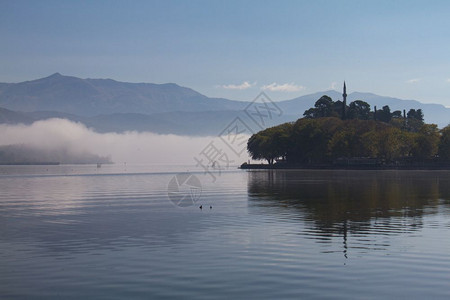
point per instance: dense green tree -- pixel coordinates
(398, 122)
(415, 114)
(322, 108)
(322, 136)
(359, 110)
(396, 114)
(337, 109)
(343, 143)
(384, 114)
(426, 142)
(444, 144)
(310, 138)
(310, 113)
(414, 120)
(270, 144)
(258, 147)
(389, 143)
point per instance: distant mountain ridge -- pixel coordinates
(90, 97)
(109, 105)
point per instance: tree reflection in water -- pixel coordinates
(361, 203)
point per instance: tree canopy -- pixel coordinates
(322, 136)
(359, 110)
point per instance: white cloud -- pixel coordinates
(243, 86)
(287, 87)
(448, 79)
(414, 80)
(333, 85)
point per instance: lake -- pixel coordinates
(130, 232)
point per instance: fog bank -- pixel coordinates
(133, 147)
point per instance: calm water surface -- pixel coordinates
(112, 233)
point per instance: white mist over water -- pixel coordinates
(132, 147)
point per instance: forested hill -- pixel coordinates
(327, 134)
(324, 140)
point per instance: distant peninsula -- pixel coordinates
(27, 155)
(333, 134)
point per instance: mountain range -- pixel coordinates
(107, 105)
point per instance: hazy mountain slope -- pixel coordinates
(89, 97)
(181, 123)
(109, 105)
(299, 105)
(13, 117)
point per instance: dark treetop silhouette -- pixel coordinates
(334, 134)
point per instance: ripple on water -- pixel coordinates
(286, 235)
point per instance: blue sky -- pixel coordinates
(234, 49)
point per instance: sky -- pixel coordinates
(235, 49)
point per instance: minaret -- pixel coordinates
(344, 102)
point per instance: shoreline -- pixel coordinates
(45, 163)
(445, 166)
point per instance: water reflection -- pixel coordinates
(279, 234)
(79, 214)
(337, 202)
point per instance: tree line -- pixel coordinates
(329, 132)
(359, 109)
